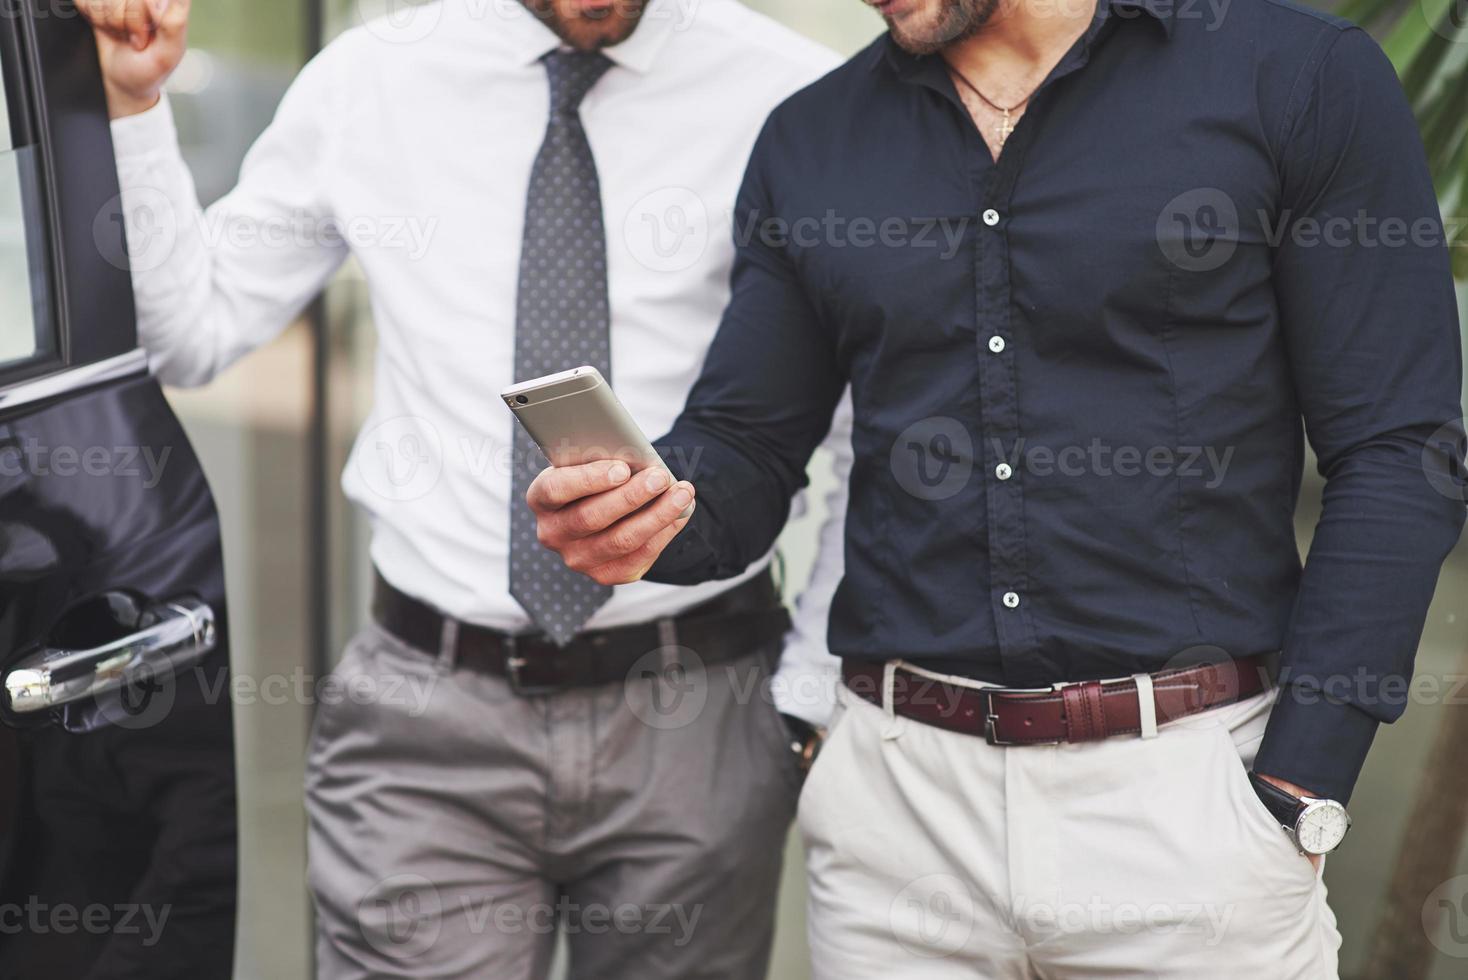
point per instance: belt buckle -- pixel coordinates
(991, 720)
(991, 735)
(514, 663)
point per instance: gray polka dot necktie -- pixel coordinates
(562, 320)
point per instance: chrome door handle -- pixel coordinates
(53, 677)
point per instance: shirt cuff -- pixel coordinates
(1316, 743)
(145, 133)
(688, 559)
(801, 689)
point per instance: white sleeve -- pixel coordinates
(805, 683)
(212, 286)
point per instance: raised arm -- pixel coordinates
(1371, 326)
(210, 287)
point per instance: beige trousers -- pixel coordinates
(934, 855)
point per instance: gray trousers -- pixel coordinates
(456, 828)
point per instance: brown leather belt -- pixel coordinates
(727, 627)
(1077, 712)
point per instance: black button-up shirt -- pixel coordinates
(1080, 373)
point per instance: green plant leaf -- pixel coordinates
(1421, 74)
(1426, 46)
(1444, 126)
(1366, 13)
(1412, 33)
(1454, 189)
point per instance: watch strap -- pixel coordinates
(1283, 806)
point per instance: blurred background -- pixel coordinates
(274, 433)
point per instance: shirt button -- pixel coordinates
(1004, 471)
(1011, 599)
(996, 344)
(991, 217)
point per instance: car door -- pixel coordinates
(117, 780)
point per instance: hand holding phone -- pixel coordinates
(608, 505)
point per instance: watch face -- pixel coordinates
(1322, 827)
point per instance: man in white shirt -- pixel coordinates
(527, 188)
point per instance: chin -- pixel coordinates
(585, 34)
(929, 30)
(915, 41)
(588, 30)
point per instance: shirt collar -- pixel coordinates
(1161, 10)
(886, 50)
(529, 40)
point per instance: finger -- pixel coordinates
(632, 533)
(557, 486)
(137, 22)
(599, 512)
(633, 567)
(108, 15)
(171, 17)
(130, 20)
(95, 11)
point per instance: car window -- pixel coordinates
(26, 329)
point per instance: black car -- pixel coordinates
(117, 782)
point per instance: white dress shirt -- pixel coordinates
(408, 144)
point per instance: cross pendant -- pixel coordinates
(1004, 128)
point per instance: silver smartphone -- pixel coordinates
(575, 417)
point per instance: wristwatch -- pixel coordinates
(805, 740)
(1316, 826)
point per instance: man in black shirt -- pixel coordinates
(1092, 273)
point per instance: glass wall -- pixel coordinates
(26, 330)
(22, 287)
